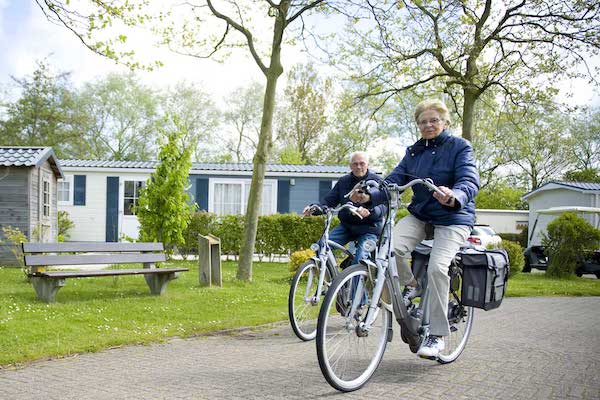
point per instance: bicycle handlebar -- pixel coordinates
(392, 187)
(325, 209)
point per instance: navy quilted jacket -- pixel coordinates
(373, 223)
(449, 161)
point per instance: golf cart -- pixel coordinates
(535, 256)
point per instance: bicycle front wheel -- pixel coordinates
(303, 308)
(348, 351)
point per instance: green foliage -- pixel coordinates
(568, 238)
(303, 118)
(64, 225)
(201, 223)
(229, 229)
(290, 155)
(163, 207)
(515, 256)
(46, 114)
(297, 258)
(520, 238)
(123, 120)
(277, 234)
(501, 197)
(15, 238)
(584, 175)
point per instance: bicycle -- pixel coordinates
(351, 340)
(314, 277)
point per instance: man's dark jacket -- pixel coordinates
(448, 160)
(373, 223)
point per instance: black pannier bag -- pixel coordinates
(485, 274)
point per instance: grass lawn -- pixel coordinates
(91, 314)
(95, 313)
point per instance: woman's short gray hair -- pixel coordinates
(359, 153)
(433, 104)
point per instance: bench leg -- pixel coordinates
(46, 288)
(158, 282)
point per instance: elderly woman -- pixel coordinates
(448, 160)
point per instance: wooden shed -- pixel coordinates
(28, 195)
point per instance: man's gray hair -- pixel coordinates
(359, 153)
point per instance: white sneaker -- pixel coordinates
(431, 347)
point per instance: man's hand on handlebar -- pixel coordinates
(312, 209)
(447, 199)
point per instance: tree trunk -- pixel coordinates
(265, 143)
(470, 97)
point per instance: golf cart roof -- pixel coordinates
(564, 209)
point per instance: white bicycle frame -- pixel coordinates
(324, 254)
(385, 254)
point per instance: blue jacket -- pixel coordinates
(373, 223)
(449, 161)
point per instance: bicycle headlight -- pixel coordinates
(369, 246)
(314, 247)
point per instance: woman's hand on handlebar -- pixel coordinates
(447, 199)
(363, 212)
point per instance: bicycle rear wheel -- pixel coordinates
(460, 319)
(348, 353)
(303, 309)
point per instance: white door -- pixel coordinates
(129, 192)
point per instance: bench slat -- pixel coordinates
(31, 247)
(108, 272)
(82, 259)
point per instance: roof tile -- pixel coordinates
(336, 169)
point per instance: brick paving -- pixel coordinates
(530, 348)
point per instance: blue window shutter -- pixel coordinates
(79, 190)
(283, 196)
(202, 193)
(112, 209)
(324, 188)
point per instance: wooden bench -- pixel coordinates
(38, 256)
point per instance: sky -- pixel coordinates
(26, 36)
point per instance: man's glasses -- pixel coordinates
(358, 164)
(432, 121)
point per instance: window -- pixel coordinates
(131, 194)
(46, 198)
(230, 196)
(65, 190)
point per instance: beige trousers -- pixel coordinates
(409, 232)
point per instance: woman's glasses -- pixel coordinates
(432, 121)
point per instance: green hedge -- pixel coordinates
(276, 234)
(520, 238)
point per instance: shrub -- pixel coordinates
(201, 223)
(64, 225)
(15, 238)
(567, 238)
(515, 255)
(271, 230)
(298, 258)
(229, 229)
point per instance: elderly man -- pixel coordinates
(352, 228)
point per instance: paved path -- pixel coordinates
(530, 348)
